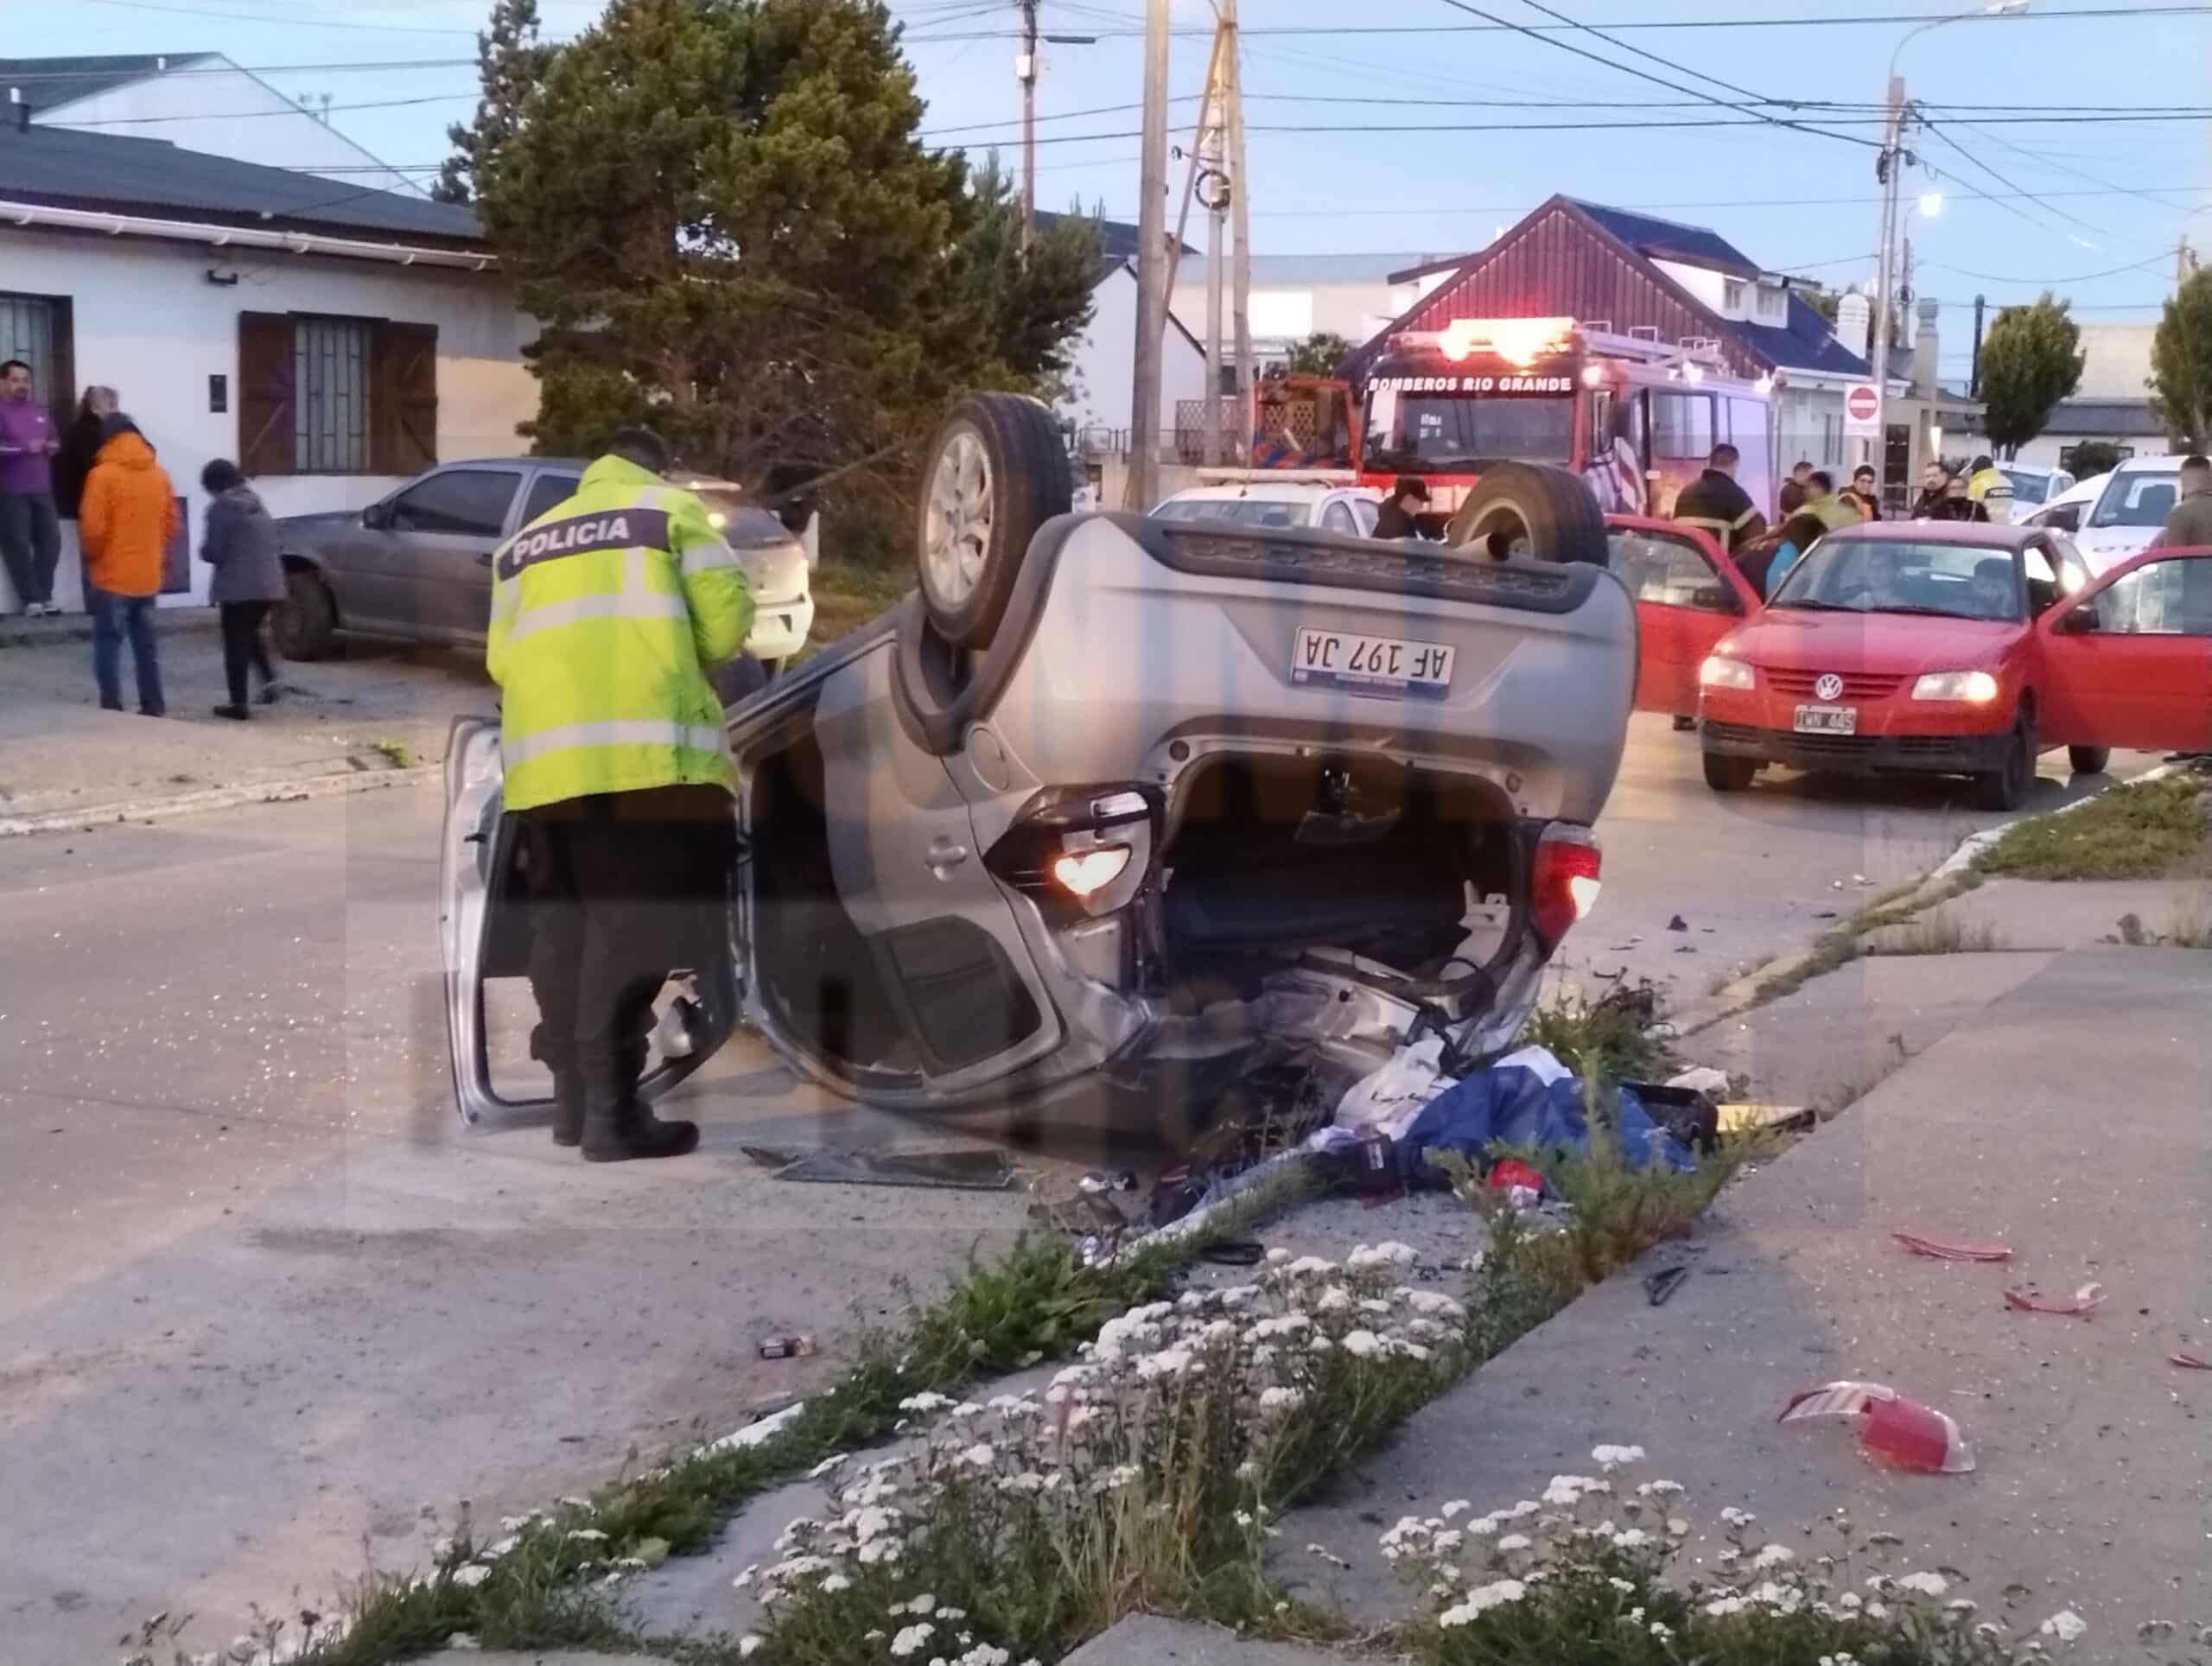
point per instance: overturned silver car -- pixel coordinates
(1113, 809)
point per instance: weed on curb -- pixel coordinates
(2144, 829)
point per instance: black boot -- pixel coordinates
(567, 1108)
(617, 1129)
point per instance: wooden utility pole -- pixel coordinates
(1240, 201)
(1026, 69)
(1152, 268)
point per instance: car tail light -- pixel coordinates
(1566, 884)
(1079, 851)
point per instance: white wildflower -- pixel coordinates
(1456, 1507)
(828, 1466)
(1924, 1585)
(1678, 1527)
(1625, 1586)
(471, 1576)
(750, 1644)
(1321, 1344)
(926, 1403)
(1482, 1598)
(1361, 1345)
(1850, 1602)
(1736, 1517)
(979, 1456)
(1334, 1299)
(1773, 1555)
(1634, 1538)
(2065, 1625)
(1721, 1607)
(1613, 1456)
(835, 1583)
(1658, 1489)
(1513, 1542)
(1312, 1267)
(745, 1580)
(1274, 1401)
(922, 1604)
(912, 1637)
(1276, 1257)
(1382, 1254)
(1661, 1631)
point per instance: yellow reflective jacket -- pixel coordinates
(605, 611)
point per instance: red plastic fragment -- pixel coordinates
(1892, 1430)
(1952, 1250)
(2081, 1305)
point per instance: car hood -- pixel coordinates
(330, 521)
(2105, 547)
(1900, 644)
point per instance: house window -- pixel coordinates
(1770, 302)
(323, 395)
(330, 395)
(35, 328)
(1731, 296)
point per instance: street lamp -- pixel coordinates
(1888, 169)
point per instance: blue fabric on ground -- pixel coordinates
(1511, 1105)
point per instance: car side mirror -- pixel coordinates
(1716, 599)
(2076, 621)
(377, 516)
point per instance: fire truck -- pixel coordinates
(1635, 418)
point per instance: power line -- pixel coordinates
(293, 110)
(1596, 126)
(2157, 261)
(2011, 185)
(296, 21)
(23, 77)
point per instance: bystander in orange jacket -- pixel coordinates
(127, 516)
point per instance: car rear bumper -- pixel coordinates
(1857, 754)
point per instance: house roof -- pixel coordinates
(105, 172)
(2113, 419)
(1117, 239)
(1668, 239)
(46, 82)
(1807, 342)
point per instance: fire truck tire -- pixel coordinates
(1532, 512)
(997, 470)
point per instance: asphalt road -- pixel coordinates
(264, 1300)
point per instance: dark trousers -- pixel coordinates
(115, 617)
(623, 889)
(30, 544)
(242, 646)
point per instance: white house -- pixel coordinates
(197, 101)
(1101, 398)
(1297, 296)
(2112, 403)
(333, 345)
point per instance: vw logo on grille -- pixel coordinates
(1828, 686)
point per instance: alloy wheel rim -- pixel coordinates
(957, 536)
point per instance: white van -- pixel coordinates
(2126, 519)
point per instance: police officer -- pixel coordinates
(1992, 487)
(606, 612)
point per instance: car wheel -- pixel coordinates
(2006, 787)
(996, 472)
(1726, 774)
(1528, 510)
(306, 620)
(2088, 760)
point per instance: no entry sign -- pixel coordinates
(1861, 404)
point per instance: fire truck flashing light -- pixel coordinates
(1517, 340)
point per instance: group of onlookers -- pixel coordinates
(104, 473)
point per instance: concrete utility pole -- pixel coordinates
(1152, 268)
(1025, 68)
(1212, 141)
(1240, 207)
(1889, 169)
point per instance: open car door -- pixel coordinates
(1688, 596)
(484, 935)
(2127, 663)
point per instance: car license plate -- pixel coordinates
(1826, 719)
(1373, 664)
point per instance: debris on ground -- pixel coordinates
(2189, 1362)
(1894, 1431)
(984, 1169)
(2083, 1302)
(1950, 1250)
(1678, 924)
(1738, 1118)
(1701, 1078)
(1663, 1283)
(786, 1347)
(1529, 1098)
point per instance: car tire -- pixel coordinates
(1726, 774)
(2006, 787)
(304, 625)
(997, 470)
(2088, 760)
(1530, 510)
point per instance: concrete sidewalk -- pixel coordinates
(64, 762)
(2068, 1121)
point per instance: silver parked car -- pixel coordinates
(1115, 809)
(417, 565)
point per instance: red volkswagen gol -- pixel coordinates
(1956, 649)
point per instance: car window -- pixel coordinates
(466, 502)
(2028, 488)
(546, 491)
(2162, 598)
(1240, 511)
(1682, 424)
(1366, 512)
(1670, 571)
(1891, 575)
(1338, 518)
(2138, 499)
(2059, 517)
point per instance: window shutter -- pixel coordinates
(265, 393)
(403, 422)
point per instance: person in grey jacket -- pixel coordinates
(240, 543)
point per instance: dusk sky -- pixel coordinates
(2041, 112)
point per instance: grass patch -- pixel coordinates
(848, 594)
(1607, 1040)
(397, 754)
(1940, 933)
(2145, 830)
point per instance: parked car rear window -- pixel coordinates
(2142, 499)
(2026, 487)
(1245, 512)
(546, 491)
(1887, 575)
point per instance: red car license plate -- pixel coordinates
(1826, 719)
